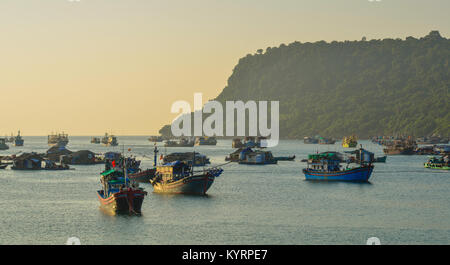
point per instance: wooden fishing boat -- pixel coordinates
(109, 140)
(326, 167)
(183, 142)
(205, 141)
(60, 139)
(349, 142)
(438, 163)
(310, 140)
(401, 147)
(95, 140)
(3, 145)
(285, 158)
(119, 195)
(180, 178)
(18, 140)
(323, 140)
(155, 139)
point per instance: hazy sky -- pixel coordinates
(118, 65)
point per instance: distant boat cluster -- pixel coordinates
(175, 173)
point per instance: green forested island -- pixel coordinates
(366, 88)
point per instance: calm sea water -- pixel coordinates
(403, 204)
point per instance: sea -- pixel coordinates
(403, 203)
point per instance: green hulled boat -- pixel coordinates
(437, 163)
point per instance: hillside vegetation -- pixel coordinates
(376, 87)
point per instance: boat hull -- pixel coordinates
(195, 185)
(360, 174)
(123, 202)
(436, 166)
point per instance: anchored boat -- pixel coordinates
(60, 139)
(3, 145)
(183, 142)
(438, 163)
(18, 140)
(119, 194)
(349, 142)
(180, 178)
(327, 167)
(205, 141)
(109, 140)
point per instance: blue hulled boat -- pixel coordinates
(327, 167)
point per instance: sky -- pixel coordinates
(93, 66)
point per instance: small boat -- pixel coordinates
(155, 139)
(310, 140)
(327, 167)
(180, 178)
(109, 140)
(95, 140)
(438, 163)
(119, 194)
(18, 140)
(3, 145)
(401, 147)
(349, 142)
(285, 158)
(3, 166)
(205, 141)
(60, 139)
(258, 157)
(323, 140)
(183, 142)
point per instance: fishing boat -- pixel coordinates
(310, 140)
(401, 147)
(18, 140)
(257, 157)
(180, 178)
(155, 139)
(349, 142)
(438, 163)
(60, 139)
(323, 140)
(109, 140)
(95, 140)
(183, 142)
(434, 139)
(205, 141)
(119, 194)
(285, 158)
(326, 167)
(3, 145)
